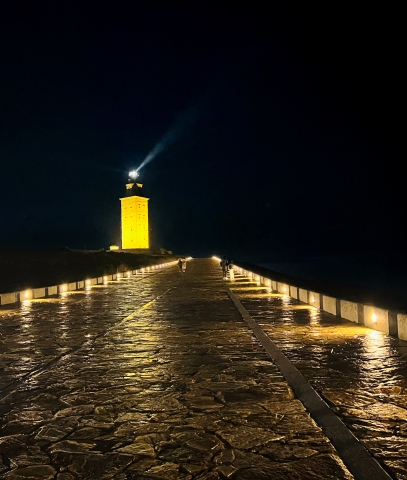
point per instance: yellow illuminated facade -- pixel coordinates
(134, 213)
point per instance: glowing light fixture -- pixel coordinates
(374, 318)
(133, 174)
(88, 283)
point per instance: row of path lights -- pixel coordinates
(29, 294)
(285, 290)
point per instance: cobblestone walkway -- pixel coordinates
(361, 373)
(149, 378)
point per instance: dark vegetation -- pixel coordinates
(21, 269)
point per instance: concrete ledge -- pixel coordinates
(376, 318)
(393, 324)
(38, 293)
(402, 326)
(42, 292)
(266, 282)
(349, 310)
(25, 295)
(52, 291)
(303, 295)
(293, 292)
(283, 288)
(7, 298)
(329, 304)
(380, 319)
(314, 299)
(383, 320)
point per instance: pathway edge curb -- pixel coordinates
(355, 456)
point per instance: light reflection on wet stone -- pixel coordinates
(180, 391)
(40, 472)
(361, 373)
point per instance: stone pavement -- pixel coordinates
(359, 372)
(153, 377)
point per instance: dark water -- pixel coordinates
(385, 273)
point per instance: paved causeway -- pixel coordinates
(159, 376)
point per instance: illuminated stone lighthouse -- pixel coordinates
(134, 209)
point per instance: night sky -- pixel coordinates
(278, 131)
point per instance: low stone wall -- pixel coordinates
(384, 320)
(44, 292)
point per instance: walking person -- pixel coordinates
(224, 265)
(231, 270)
(180, 264)
(184, 265)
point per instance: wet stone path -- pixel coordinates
(361, 373)
(153, 377)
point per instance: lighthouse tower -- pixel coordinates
(134, 216)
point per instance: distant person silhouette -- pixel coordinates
(224, 265)
(180, 264)
(231, 270)
(184, 265)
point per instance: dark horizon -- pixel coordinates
(276, 135)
